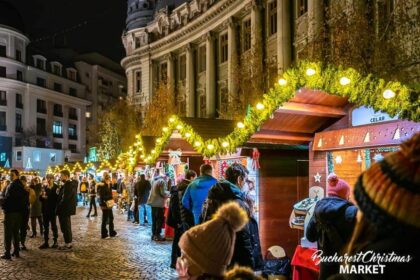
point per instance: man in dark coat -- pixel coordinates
(142, 192)
(332, 223)
(13, 207)
(66, 207)
(179, 218)
(247, 250)
(49, 199)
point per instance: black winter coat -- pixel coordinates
(67, 198)
(105, 193)
(178, 216)
(49, 204)
(331, 226)
(14, 198)
(142, 191)
(247, 251)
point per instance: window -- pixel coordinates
(19, 75)
(18, 142)
(72, 75)
(202, 58)
(58, 110)
(3, 50)
(164, 72)
(39, 63)
(272, 17)
(41, 106)
(19, 101)
(56, 69)
(73, 148)
(73, 92)
(41, 127)
(246, 29)
(57, 129)
(137, 43)
(2, 72)
(58, 87)
(57, 146)
(2, 156)
(41, 82)
(18, 122)
(40, 143)
(3, 98)
(182, 67)
(18, 55)
(302, 7)
(72, 131)
(138, 81)
(73, 113)
(53, 157)
(223, 48)
(3, 121)
(18, 155)
(36, 155)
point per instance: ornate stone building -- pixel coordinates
(193, 47)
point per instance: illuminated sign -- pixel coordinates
(364, 115)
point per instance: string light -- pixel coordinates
(344, 81)
(260, 106)
(171, 120)
(282, 82)
(225, 144)
(165, 129)
(188, 135)
(179, 127)
(197, 144)
(388, 94)
(210, 146)
(310, 72)
(240, 125)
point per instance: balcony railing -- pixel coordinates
(19, 105)
(73, 137)
(73, 117)
(57, 135)
(41, 110)
(58, 114)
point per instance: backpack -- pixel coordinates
(211, 204)
(83, 187)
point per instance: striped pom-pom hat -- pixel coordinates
(388, 193)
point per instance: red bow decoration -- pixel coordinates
(255, 159)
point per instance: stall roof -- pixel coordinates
(210, 128)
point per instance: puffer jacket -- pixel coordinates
(247, 250)
(158, 194)
(331, 226)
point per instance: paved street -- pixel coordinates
(131, 255)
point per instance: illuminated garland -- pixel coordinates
(390, 97)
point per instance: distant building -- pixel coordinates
(42, 103)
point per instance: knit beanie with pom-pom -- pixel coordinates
(337, 187)
(209, 246)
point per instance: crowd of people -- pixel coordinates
(216, 234)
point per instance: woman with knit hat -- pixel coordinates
(388, 197)
(207, 249)
(332, 223)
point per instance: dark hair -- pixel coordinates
(22, 178)
(65, 172)
(190, 174)
(142, 177)
(206, 169)
(234, 171)
(15, 171)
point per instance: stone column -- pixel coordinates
(256, 22)
(284, 39)
(315, 18)
(190, 83)
(232, 56)
(210, 77)
(171, 73)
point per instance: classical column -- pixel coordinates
(284, 39)
(210, 77)
(190, 86)
(232, 56)
(315, 18)
(171, 73)
(256, 22)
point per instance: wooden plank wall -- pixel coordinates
(317, 164)
(278, 191)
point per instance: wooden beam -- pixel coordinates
(311, 110)
(281, 136)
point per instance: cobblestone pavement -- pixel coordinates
(131, 255)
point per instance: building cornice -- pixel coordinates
(14, 32)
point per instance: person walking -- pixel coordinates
(179, 218)
(207, 249)
(106, 202)
(84, 187)
(36, 207)
(197, 191)
(13, 208)
(66, 207)
(156, 200)
(332, 223)
(142, 211)
(247, 250)
(92, 196)
(23, 231)
(49, 198)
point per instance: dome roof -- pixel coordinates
(10, 17)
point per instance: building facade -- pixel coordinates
(42, 103)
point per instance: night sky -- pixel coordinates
(83, 25)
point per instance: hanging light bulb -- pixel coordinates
(153, 151)
(344, 81)
(388, 94)
(282, 82)
(171, 119)
(188, 135)
(210, 146)
(158, 140)
(225, 144)
(240, 125)
(165, 129)
(197, 144)
(179, 127)
(260, 106)
(310, 71)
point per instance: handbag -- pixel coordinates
(133, 205)
(276, 266)
(110, 203)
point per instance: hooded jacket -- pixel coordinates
(247, 250)
(14, 198)
(196, 193)
(67, 199)
(331, 226)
